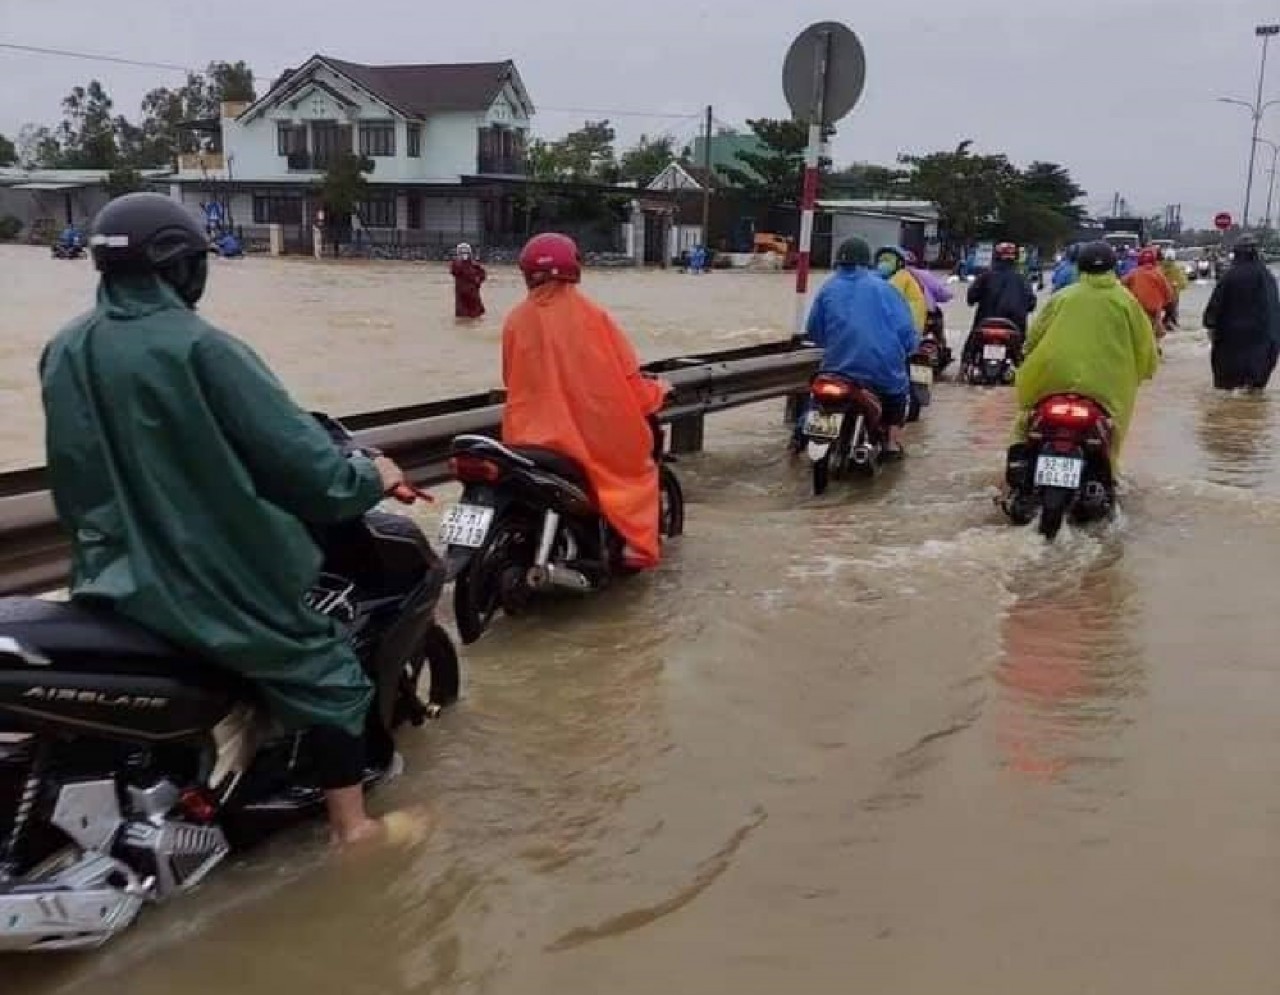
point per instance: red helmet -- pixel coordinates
(1006, 250)
(1147, 257)
(553, 256)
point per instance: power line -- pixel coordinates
(172, 67)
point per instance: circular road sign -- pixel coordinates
(1222, 221)
(846, 71)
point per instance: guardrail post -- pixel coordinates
(795, 405)
(687, 434)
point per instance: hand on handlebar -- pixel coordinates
(392, 476)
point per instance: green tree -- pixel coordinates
(586, 155)
(123, 180)
(866, 180)
(969, 190)
(8, 152)
(341, 189)
(775, 174)
(87, 134)
(647, 158)
(164, 110)
(38, 147)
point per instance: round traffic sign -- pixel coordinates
(1222, 221)
(841, 83)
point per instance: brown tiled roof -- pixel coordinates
(418, 91)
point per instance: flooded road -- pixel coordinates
(876, 742)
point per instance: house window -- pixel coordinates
(415, 211)
(378, 139)
(328, 141)
(290, 139)
(378, 210)
(414, 135)
(273, 209)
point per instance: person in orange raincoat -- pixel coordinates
(574, 385)
(1151, 288)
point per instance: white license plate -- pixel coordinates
(824, 424)
(921, 374)
(1059, 471)
(466, 525)
(994, 352)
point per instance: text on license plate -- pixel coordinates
(824, 425)
(996, 352)
(466, 525)
(1059, 471)
(921, 374)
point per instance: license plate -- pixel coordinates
(824, 424)
(1059, 471)
(921, 374)
(466, 525)
(994, 352)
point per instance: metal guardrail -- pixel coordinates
(34, 551)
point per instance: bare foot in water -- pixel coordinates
(404, 827)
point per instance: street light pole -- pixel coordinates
(1265, 32)
(1271, 173)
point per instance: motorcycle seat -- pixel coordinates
(76, 637)
(553, 462)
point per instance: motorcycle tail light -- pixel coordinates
(474, 469)
(995, 333)
(1068, 414)
(197, 806)
(831, 390)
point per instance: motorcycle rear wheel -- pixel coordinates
(1054, 502)
(494, 580)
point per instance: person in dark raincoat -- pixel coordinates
(1000, 292)
(468, 275)
(183, 474)
(1243, 319)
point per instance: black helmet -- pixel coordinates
(1096, 257)
(1246, 247)
(151, 233)
(854, 252)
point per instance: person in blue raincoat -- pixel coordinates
(229, 246)
(866, 333)
(1066, 272)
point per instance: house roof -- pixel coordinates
(415, 91)
(18, 178)
(677, 176)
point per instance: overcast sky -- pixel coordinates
(1120, 91)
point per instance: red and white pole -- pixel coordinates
(809, 190)
(808, 205)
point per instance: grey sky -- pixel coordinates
(1120, 91)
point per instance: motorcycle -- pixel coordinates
(842, 430)
(999, 341)
(527, 525)
(129, 771)
(1064, 469)
(62, 250)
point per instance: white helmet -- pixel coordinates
(463, 250)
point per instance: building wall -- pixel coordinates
(449, 141)
(877, 231)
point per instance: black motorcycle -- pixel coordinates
(64, 250)
(996, 353)
(842, 431)
(129, 770)
(526, 524)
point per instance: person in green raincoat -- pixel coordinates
(183, 474)
(1092, 338)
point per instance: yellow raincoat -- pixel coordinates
(1094, 339)
(909, 288)
(1175, 274)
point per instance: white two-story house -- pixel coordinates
(447, 143)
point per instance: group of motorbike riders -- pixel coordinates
(185, 475)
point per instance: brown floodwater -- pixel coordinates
(876, 742)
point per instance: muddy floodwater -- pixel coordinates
(879, 742)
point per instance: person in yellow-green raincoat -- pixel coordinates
(1177, 277)
(892, 263)
(1093, 339)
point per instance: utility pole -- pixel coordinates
(1266, 32)
(706, 182)
(1115, 205)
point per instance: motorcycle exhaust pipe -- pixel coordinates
(554, 575)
